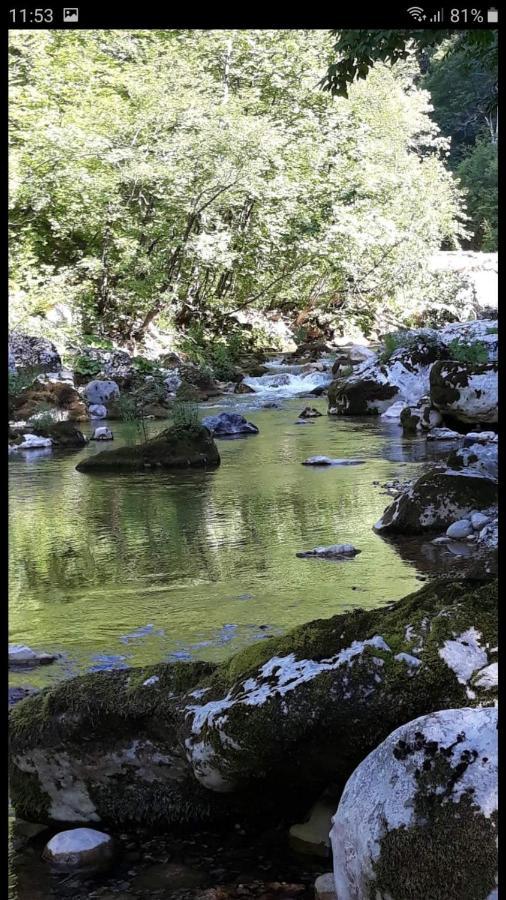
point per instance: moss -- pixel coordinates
(172, 449)
(28, 798)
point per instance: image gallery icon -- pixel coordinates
(71, 14)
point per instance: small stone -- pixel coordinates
(479, 520)
(324, 887)
(20, 655)
(102, 434)
(327, 461)
(80, 850)
(443, 434)
(459, 530)
(335, 551)
(441, 540)
(97, 411)
(309, 412)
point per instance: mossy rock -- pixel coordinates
(178, 742)
(59, 395)
(63, 434)
(355, 396)
(435, 500)
(429, 787)
(174, 448)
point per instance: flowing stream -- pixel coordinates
(118, 570)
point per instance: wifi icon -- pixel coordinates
(417, 13)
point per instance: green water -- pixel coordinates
(117, 570)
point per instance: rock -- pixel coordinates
(324, 887)
(229, 423)
(32, 442)
(466, 392)
(270, 404)
(102, 434)
(443, 434)
(80, 850)
(20, 655)
(432, 784)
(478, 521)
(306, 705)
(480, 437)
(63, 434)
(62, 396)
(312, 837)
(174, 448)
(36, 353)
(101, 392)
(335, 551)
(19, 693)
(394, 411)
(420, 418)
(309, 412)
(435, 500)
(242, 388)
(327, 461)
(172, 381)
(97, 411)
(480, 458)
(459, 530)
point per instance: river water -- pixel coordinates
(119, 570)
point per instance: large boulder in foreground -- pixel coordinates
(34, 353)
(436, 499)
(418, 817)
(466, 392)
(174, 448)
(171, 743)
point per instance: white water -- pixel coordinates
(288, 383)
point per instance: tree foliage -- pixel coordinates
(185, 175)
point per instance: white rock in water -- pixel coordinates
(327, 461)
(481, 437)
(33, 442)
(389, 805)
(20, 655)
(102, 434)
(100, 392)
(479, 520)
(334, 551)
(488, 677)
(394, 411)
(97, 411)
(80, 849)
(459, 530)
(443, 434)
(324, 887)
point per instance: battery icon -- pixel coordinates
(492, 15)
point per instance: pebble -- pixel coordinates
(80, 849)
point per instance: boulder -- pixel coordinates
(420, 417)
(466, 392)
(443, 434)
(480, 458)
(102, 434)
(418, 817)
(229, 423)
(243, 388)
(335, 551)
(480, 437)
(174, 448)
(435, 500)
(309, 412)
(394, 411)
(188, 742)
(63, 434)
(31, 442)
(36, 353)
(172, 381)
(101, 392)
(61, 396)
(82, 850)
(328, 461)
(97, 411)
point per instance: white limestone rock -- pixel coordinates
(101, 392)
(412, 795)
(102, 434)
(32, 442)
(80, 850)
(21, 655)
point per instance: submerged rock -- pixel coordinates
(431, 785)
(335, 551)
(80, 850)
(204, 741)
(229, 423)
(20, 655)
(435, 500)
(309, 412)
(175, 448)
(328, 461)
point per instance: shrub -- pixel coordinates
(144, 366)
(85, 365)
(130, 410)
(474, 354)
(44, 417)
(392, 342)
(185, 416)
